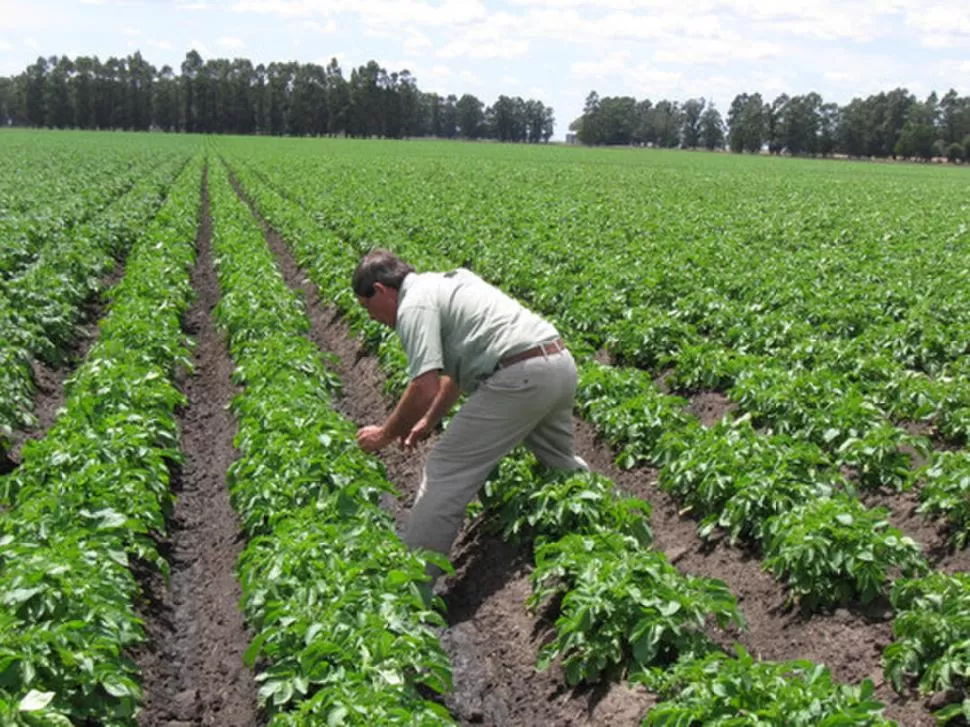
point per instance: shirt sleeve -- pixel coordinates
(419, 328)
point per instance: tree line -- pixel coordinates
(219, 96)
(884, 125)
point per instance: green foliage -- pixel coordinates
(628, 411)
(525, 498)
(733, 478)
(931, 637)
(946, 491)
(344, 618)
(705, 366)
(834, 551)
(51, 267)
(623, 608)
(720, 691)
(648, 338)
(89, 500)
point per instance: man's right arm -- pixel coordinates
(448, 393)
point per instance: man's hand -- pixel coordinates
(372, 438)
(418, 432)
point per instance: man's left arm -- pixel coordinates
(414, 404)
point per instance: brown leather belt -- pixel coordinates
(543, 349)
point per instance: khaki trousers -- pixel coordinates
(528, 402)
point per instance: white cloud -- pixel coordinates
(5, 46)
(231, 43)
(612, 65)
(941, 19)
(323, 28)
(440, 71)
(718, 51)
(416, 41)
(160, 44)
(286, 8)
(191, 6)
(469, 78)
(495, 49)
(31, 43)
(402, 13)
(15, 15)
(131, 32)
(201, 48)
(325, 60)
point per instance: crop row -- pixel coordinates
(831, 550)
(47, 189)
(839, 330)
(343, 615)
(40, 308)
(850, 561)
(624, 608)
(848, 395)
(89, 501)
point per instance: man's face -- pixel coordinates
(382, 305)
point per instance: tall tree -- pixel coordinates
(471, 116)
(166, 102)
(141, 76)
(57, 100)
(587, 130)
(666, 120)
(712, 129)
(775, 124)
(693, 110)
(918, 135)
(36, 82)
(82, 88)
(449, 117)
(192, 90)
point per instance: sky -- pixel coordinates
(556, 51)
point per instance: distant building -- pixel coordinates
(571, 138)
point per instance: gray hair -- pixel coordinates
(379, 266)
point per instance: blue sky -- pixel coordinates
(552, 50)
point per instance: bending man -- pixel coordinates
(461, 334)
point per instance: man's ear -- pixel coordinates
(379, 288)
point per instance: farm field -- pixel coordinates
(774, 397)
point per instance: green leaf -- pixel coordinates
(670, 608)
(34, 701)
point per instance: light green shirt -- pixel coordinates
(460, 324)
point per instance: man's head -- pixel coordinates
(377, 281)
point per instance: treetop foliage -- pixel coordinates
(893, 124)
(218, 96)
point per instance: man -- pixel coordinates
(461, 334)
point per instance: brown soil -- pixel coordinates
(710, 407)
(192, 667)
(493, 640)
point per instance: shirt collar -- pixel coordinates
(405, 284)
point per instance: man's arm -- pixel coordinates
(448, 393)
(421, 393)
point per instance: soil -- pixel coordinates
(493, 640)
(192, 667)
(710, 407)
